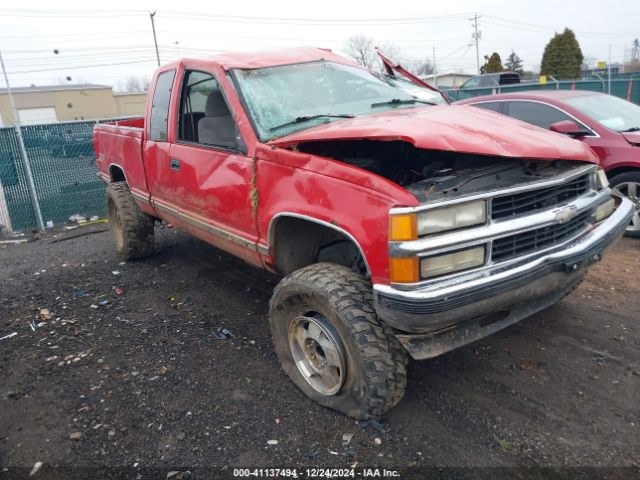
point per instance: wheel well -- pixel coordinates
(299, 242)
(617, 171)
(116, 174)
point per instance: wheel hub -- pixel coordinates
(318, 353)
(631, 190)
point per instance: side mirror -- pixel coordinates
(568, 127)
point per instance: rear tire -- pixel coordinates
(132, 229)
(628, 185)
(331, 343)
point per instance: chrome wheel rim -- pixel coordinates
(317, 353)
(631, 190)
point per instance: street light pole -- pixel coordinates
(23, 150)
(155, 40)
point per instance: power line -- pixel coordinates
(17, 72)
(547, 28)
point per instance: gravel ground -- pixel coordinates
(125, 371)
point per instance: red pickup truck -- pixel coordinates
(400, 227)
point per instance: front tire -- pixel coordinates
(132, 229)
(331, 343)
(627, 184)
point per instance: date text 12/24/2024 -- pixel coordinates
(315, 473)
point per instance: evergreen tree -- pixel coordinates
(562, 56)
(492, 64)
(514, 63)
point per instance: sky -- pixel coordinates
(113, 41)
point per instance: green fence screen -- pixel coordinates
(627, 88)
(64, 170)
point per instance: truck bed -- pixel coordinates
(118, 148)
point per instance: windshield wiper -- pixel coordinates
(306, 118)
(632, 129)
(397, 101)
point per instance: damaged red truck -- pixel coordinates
(400, 227)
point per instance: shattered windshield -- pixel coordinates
(286, 99)
(416, 91)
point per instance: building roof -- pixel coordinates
(56, 88)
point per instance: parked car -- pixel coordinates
(400, 227)
(608, 124)
(489, 80)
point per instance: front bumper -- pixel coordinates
(432, 309)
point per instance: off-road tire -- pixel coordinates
(132, 229)
(376, 363)
(627, 177)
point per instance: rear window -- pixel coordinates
(509, 78)
(160, 106)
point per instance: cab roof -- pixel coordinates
(271, 58)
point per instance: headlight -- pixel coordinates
(601, 179)
(451, 218)
(452, 262)
(605, 210)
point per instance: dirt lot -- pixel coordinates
(142, 382)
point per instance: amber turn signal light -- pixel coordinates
(403, 227)
(404, 270)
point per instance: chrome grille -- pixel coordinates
(524, 243)
(507, 206)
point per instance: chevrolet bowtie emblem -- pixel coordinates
(564, 214)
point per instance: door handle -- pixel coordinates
(175, 164)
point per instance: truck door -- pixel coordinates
(157, 147)
(211, 173)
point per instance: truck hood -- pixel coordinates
(459, 128)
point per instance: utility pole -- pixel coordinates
(475, 36)
(23, 150)
(155, 40)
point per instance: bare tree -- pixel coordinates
(362, 50)
(135, 85)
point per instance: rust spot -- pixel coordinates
(254, 196)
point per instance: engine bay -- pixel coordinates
(435, 173)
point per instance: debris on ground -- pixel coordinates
(75, 436)
(272, 442)
(9, 336)
(374, 424)
(45, 314)
(222, 334)
(34, 470)
(346, 438)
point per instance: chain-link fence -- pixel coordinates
(627, 88)
(64, 173)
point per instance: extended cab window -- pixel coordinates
(536, 113)
(160, 106)
(205, 117)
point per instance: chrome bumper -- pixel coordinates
(433, 308)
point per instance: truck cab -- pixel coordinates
(399, 227)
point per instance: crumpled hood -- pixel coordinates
(459, 128)
(632, 137)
